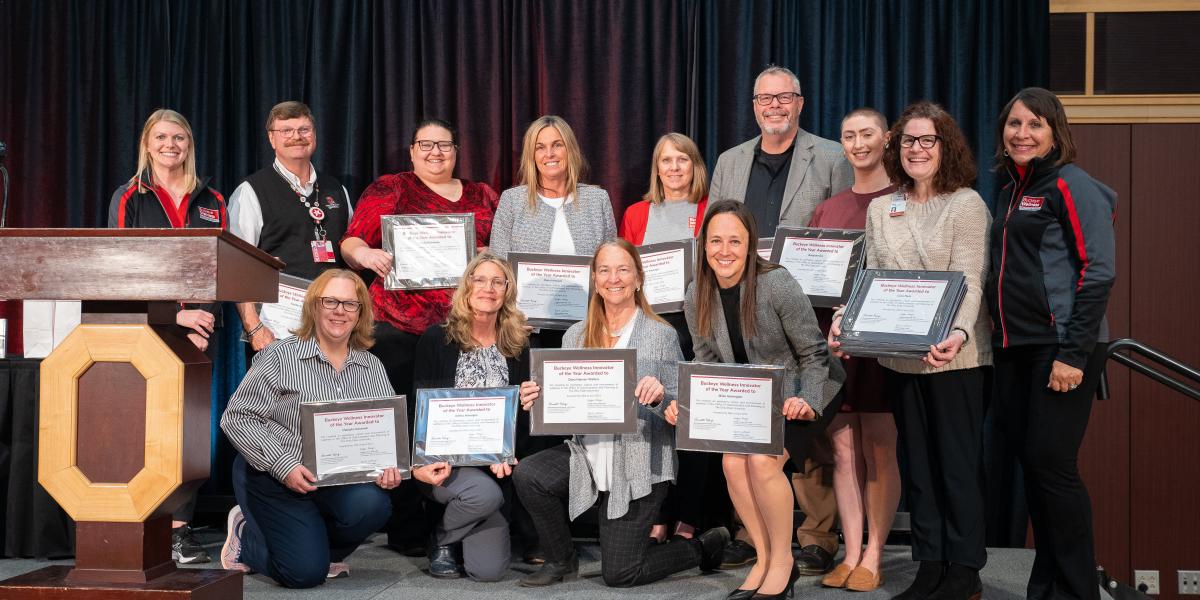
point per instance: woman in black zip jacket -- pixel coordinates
(166, 193)
(1053, 264)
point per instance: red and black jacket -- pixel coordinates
(1053, 255)
(150, 207)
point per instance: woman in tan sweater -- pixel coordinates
(936, 222)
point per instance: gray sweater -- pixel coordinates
(519, 228)
(640, 459)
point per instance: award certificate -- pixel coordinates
(900, 306)
(730, 408)
(552, 289)
(429, 251)
(284, 316)
(668, 269)
(584, 391)
(824, 261)
(465, 426)
(353, 441)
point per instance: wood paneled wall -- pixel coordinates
(1141, 456)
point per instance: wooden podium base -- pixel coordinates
(51, 583)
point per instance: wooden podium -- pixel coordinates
(125, 399)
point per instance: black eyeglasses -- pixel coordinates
(350, 306)
(782, 97)
(427, 145)
(926, 141)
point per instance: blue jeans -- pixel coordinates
(293, 537)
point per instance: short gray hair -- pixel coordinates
(778, 70)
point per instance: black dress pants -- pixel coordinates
(543, 482)
(939, 419)
(1045, 428)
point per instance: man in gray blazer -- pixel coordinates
(784, 173)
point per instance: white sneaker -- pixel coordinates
(338, 569)
(232, 550)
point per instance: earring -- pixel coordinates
(1006, 151)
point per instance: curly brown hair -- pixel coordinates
(956, 168)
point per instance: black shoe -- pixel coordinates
(959, 583)
(740, 594)
(737, 554)
(552, 572)
(929, 575)
(533, 555)
(786, 592)
(712, 547)
(443, 561)
(185, 550)
(814, 560)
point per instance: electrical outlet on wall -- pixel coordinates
(1146, 582)
(1189, 583)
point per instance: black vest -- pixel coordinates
(287, 230)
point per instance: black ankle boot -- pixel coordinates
(443, 560)
(553, 572)
(959, 583)
(929, 575)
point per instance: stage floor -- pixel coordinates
(377, 572)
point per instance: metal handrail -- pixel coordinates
(1136, 347)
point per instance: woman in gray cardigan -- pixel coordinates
(743, 309)
(552, 211)
(628, 472)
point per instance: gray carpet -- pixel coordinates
(380, 573)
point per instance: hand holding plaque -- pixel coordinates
(900, 314)
(354, 441)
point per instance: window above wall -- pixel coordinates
(1126, 61)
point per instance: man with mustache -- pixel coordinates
(782, 175)
(289, 211)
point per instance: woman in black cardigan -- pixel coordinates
(481, 344)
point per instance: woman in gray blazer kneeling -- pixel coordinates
(743, 309)
(628, 472)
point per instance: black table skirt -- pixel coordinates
(33, 526)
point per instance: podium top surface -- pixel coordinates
(190, 265)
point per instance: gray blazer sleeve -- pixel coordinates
(658, 351)
(818, 381)
(504, 220)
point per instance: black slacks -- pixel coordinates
(1045, 428)
(939, 419)
(543, 482)
(411, 522)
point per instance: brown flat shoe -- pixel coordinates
(863, 580)
(837, 577)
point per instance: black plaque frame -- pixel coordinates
(688, 247)
(538, 358)
(516, 259)
(683, 428)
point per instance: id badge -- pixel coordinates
(896, 209)
(322, 251)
